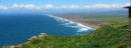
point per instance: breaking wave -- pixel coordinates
(68, 23)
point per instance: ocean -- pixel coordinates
(18, 28)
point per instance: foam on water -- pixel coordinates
(68, 23)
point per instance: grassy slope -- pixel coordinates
(95, 20)
(115, 36)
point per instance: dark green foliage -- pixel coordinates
(26, 46)
(108, 36)
(36, 41)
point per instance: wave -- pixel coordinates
(68, 23)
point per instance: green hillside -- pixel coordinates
(101, 18)
(109, 36)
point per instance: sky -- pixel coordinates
(61, 5)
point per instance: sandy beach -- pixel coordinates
(87, 23)
(93, 24)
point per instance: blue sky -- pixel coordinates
(62, 5)
(62, 2)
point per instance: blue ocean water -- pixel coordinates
(16, 29)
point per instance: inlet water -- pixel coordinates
(16, 29)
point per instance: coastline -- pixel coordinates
(93, 20)
(91, 24)
(86, 23)
(79, 28)
(67, 22)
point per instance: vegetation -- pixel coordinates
(102, 18)
(109, 36)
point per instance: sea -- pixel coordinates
(18, 28)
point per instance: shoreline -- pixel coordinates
(72, 21)
(67, 21)
(86, 23)
(93, 20)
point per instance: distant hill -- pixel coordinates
(116, 12)
(122, 12)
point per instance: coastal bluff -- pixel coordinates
(108, 36)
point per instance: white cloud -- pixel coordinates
(96, 6)
(70, 7)
(24, 6)
(32, 6)
(47, 6)
(3, 7)
(127, 4)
